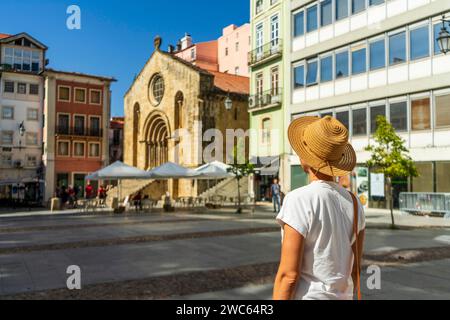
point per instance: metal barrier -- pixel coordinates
(426, 203)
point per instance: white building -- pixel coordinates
(358, 59)
(22, 61)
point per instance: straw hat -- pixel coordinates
(323, 144)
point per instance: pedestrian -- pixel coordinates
(89, 190)
(322, 224)
(64, 196)
(102, 194)
(275, 191)
(71, 194)
(137, 199)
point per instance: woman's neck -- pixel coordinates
(320, 177)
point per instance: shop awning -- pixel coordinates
(266, 166)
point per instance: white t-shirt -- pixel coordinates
(322, 213)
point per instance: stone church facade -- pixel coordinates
(169, 107)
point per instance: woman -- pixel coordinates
(322, 224)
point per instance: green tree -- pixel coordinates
(241, 171)
(390, 157)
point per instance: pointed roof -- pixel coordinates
(8, 38)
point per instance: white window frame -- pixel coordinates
(70, 93)
(74, 155)
(90, 97)
(75, 89)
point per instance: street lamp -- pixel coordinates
(444, 37)
(228, 102)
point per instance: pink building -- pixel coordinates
(228, 54)
(234, 46)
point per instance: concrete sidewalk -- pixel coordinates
(419, 281)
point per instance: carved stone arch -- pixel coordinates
(156, 136)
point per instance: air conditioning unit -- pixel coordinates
(252, 102)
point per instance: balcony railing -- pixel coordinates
(268, 51)
(270, 98)
(79, 132)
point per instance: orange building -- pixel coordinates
(76, 133)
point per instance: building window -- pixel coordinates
(299, 24)
(94, 126)
(420, 114)
(63, 124)
(375, 2)
(442, 180)
(275, 81)
(419, 43)
(274, 31)
(34, 89)
(32, 161)
(96, 97)
(259, 6)
(442, 111)
(236, 71)
(226, 52)
(6, 160)
(9, 87)
(341, 9)
(193, 54)
(399, 116)
(437, 29)
(326, 12)
(311, 72)
(358, 6)
(359, 122)
(259, 39)
(31, 139)
(311, 19)
(299, 77)
(64, 93)
(8, 113)
(266, 129)
(80, 95)
(358, 60)
(237, 46)
(94, 150)
(32, 114)
(342, 65)
(424, 182)
(7, 138)
(21, 59)
(326, 69)
(22, 88)
(79, 125)
(344, 118)
(63, 148)
(397, 48)
(62, 180)
(157, 88)
(78, 149)
(377, 54)
(376, 112)
(259, 84)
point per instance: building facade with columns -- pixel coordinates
(168, 110)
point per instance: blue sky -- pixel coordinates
(116, 36)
